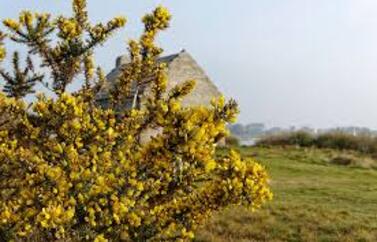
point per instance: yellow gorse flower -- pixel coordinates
(2, 53)
(100, 238)
(69, 28)
(26, 18)
(12, 24)
(118, 22)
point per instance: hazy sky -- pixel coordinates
(287, 62)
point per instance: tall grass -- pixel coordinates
(365, 144)
(312, 202)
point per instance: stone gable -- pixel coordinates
(184, 68)
(180, 68)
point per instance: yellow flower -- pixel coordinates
(69, 28)
(26, 17)
(12, 24)
(175, 106)
(76, 124)
(58, 148)
(100, 238)
(2, 52)
(118, 22)
(140, 186)
(210, 165)
(111, 133)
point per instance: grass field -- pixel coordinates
(314, 200)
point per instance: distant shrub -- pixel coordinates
(336, 141)
(295, 138)
(302, 139)
(343, 141)
(232, 141)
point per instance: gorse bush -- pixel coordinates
(71, 170)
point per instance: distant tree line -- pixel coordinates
(257, 130)
(363, 143)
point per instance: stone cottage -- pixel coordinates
(180, 68)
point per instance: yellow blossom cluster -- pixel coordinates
(26, 19)
(12, 24)
(100, 31)
(89, 66)
(117, 22)
(2, 52)
(79, 8)
(154, 22)
(2, 48)
(72, 170)
(69, 28)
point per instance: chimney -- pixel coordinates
(122, 60)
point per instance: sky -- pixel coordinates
(287, 62)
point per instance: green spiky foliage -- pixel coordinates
(64, 44)
(22, 81)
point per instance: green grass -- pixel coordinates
(314, 200)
